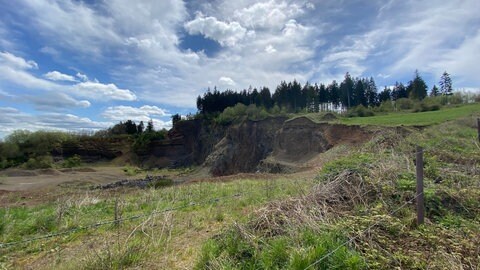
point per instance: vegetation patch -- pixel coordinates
(369, 197)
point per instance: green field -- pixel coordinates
(415, 119)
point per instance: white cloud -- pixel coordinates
(100, 91)
(270, 49)
(82, 77)
(14, 61)
(226, 33)
(144, 113)
(50, 51)
(310, 5)
(226, 82)
(25, 79)
(13, 70)
(55, 101)
(58, 76)
(12, 119)
(268, 14)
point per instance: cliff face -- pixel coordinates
(244, 146)
(271, 145)
(301, 139)
(94, 149)
(188, 143)
(276, 145)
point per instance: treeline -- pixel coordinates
(35, 150)
(293, 97)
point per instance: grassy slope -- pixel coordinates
(415, 119)
(174, 239)
(369, 187)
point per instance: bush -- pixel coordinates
(131, 171)
(71, 162)
(360, 111)
(240, 111)
(41, 162)
(142, 141)
(424, 107)
(385, 106)
(404, 104)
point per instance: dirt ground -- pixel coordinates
(31, 187)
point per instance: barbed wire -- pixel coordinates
(99, 224)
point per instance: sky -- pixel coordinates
(76, 65)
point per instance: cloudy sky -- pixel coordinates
(73, 65)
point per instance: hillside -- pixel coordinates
(349, 206)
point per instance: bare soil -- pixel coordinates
(31, 187)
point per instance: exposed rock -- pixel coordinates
(275, 145)
(244, 146)
(148, 181)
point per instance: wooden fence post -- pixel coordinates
(478, 128)
(419, 194)
(115, 213)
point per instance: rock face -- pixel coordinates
(188, 143)
(301, 139)
(95, 149)
(244, 146)
(275, 145)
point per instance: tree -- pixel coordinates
(417, 89)
(140, 127)
(323, 97)
(266, 97)
(359, 96)
(149, 126)
(434, 92)
(385, 95)
(346, 90)
(446, 84)
(176, 118)
(130, 127)
(399, 91)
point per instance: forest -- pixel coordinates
(351, 92)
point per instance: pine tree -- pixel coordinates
(434, 92)
(346, 91)
(149, 126)
(446, 84)
(385, 95)
(417, 89)
(140, 127)
(371, 93)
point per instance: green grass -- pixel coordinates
(203, 207)
(213, 229)
(415, 119)
(292, 235)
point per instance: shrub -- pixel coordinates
(71, 162)
(240, 111)
(404, 104)
(385, 106)
(425, 107)
(142, 141)
(41, 162)
(360, 111)
(131, 171)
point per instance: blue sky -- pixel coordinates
(74, 65)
